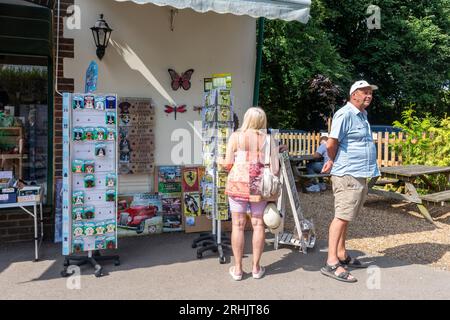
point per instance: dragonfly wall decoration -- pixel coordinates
(175, 109)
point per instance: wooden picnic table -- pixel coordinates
(408, 176)
(300, 175)
(297, 163)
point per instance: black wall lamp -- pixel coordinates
(101, 32)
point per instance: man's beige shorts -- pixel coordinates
(349, 196)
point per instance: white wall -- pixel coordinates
(143, 47)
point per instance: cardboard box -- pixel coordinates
(200, 224)
(203, 224)
(29, 198)
(29, 193)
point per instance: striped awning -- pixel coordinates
(288, 10)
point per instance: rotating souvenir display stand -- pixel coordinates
(217, 119)
(90, 179)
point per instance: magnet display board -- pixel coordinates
(90, 177)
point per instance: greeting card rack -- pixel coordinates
(217, 120)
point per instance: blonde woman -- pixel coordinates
(245, 162)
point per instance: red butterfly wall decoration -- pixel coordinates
(183, 81)
(175, 109)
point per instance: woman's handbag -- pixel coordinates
(270, 183)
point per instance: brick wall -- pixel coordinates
(16, 225)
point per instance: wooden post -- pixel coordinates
(386, 149)
(379, 145)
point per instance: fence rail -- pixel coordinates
(307, 143)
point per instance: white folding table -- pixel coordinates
(34, 214)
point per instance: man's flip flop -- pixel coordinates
(352, 262)
(329, 271)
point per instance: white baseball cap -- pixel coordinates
(361, 84)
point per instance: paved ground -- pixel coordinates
(165, 267)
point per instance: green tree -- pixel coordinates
(293, 54)
(408, 58)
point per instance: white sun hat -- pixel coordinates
(272, 218)
(362, 84)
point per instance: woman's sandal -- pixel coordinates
(260, 273)
(329, 271)
(352, 262)
(235, 277)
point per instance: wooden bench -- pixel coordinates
(439, 197)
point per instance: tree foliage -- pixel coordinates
(408, 58)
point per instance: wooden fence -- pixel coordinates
(307, 143)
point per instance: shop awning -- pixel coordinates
(288, 10)
(25, 28)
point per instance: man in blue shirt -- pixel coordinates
(352, 160)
